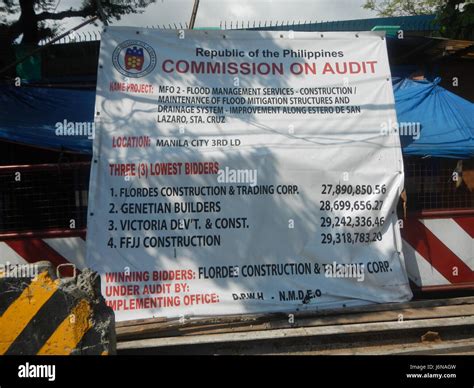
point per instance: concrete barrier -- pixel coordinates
(41, 313)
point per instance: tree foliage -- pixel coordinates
(386, 8)
(38, 19)
(457, 20)
(455, 17)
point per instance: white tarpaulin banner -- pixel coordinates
(243, 171)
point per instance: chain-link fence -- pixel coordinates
(47, 197)
(435, 184)
(43, 197)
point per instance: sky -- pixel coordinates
(212, 12)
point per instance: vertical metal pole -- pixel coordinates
(193, 15)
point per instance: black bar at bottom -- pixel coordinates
(223, 371)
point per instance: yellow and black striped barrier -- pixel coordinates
(45, 315)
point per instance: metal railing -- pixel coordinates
(421, 24)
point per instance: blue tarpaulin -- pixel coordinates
(47, 117)
(446, 121)
(35, 116)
